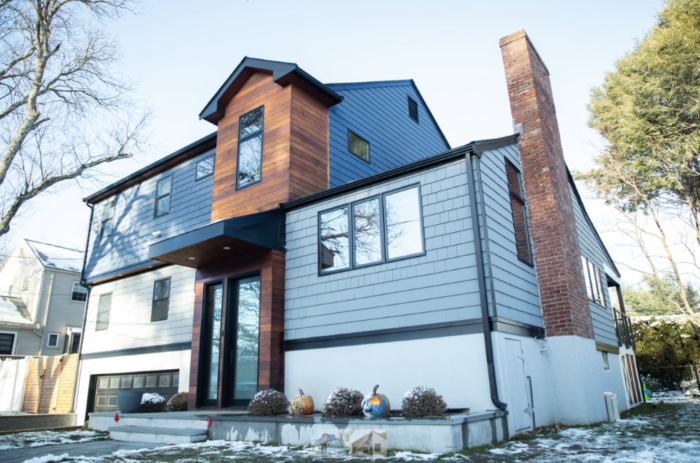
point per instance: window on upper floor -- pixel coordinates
(7, 343)
(161, 300)
(594, 281)
(250, 142)
(371, 231)
(519, 211)
(358, 146)
(163, 189)
(103, 308)
(79, 293)
(25, 284)
(204, 168)
(413, 109)
(52, 340)
(108, 218)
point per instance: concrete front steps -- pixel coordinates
(156, 435)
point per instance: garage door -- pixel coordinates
(164, 383)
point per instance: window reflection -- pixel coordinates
(214, 299)
(368, 245)
(247, 339)
(335, 242)
(250, 133)
(403, 228)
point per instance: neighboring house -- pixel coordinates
(324, 227)
(41, 301)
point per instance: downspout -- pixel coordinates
(482, 284)
(87, 301)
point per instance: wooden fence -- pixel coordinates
(50, 384)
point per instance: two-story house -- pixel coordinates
(326, 235)
(41, 300)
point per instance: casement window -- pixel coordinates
(204, 168)
(108, 218)
(593, 277)
(250, 143)
(358, 146)
(52, 340)
(380, 229)
(161, 300)
(519, 211)
(79, 294)
(413, 109)
(103, 308)
(163, 189)
(7, 343)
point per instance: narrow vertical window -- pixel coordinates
(161, 300)
(404, 236)
(599, 274)
(250, 139)
(107, 218)
(358, 145)
(163, 188)
(335, 240)
(368, 240)
(103, 309)
(413, 109)
(517, 206)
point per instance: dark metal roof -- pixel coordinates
(476, 147)
(160, 165)
(282, 73)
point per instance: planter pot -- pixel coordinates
(129, 401)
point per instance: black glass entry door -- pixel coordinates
(242, 345)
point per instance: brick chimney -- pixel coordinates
(552, 223)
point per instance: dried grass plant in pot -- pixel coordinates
(343, 402)
(268, 403)
(423, 402)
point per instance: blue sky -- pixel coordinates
(179, 52)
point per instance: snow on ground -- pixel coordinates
(42, 438)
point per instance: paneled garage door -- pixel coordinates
(164, 383)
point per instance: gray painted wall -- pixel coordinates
(134, 221)
(603, 323)
(63, 313)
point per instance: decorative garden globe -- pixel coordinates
(302, 404)
(376, 405)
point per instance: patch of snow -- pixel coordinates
(44, 438)
(47, 458)
(153, 397)
(9, 313)
(57, 256)
(410, 456)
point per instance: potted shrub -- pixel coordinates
(129, 401)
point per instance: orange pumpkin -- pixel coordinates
(302, 404)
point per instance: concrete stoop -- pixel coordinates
(157, 435)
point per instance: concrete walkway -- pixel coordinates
(86, 449)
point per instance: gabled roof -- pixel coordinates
(57, 257)
(13, 311)
(392, 83)
(282, 73)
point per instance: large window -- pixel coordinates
(371, 231)
(79, 294)
(163, 189)
(103, 309)
(161, 300)
(250, 141)
(107, 218)
(358, 145)
(594, 281)
(519, 211)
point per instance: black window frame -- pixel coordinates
(520, 199)
(196, 167)
(170, 194)
(105, 325)
(369, 147)
(13, 344)
(383, 232)
(261, 134)
(411, 104)
(81, 293)
(48, 340)
(154, 300)
(109, 205)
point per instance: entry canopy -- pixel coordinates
(223, 240)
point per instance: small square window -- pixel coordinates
(138, 382)
(413, 109)
(25, 284)
(164, 381)
(79, 293)
(126, 382)
(151, 380)
(163, 188)
(358, 145)
(114, 382)
(53, 340)
(103, 383)
(204, 168)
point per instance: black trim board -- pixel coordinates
(178, 346)
(436, 330)
(504, 325)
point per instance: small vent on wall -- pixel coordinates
(413, 109)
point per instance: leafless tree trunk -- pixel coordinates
(64, 108)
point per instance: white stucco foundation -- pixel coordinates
(455, 366)
(178, 360)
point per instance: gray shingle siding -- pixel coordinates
(134, 221)
(603, 324)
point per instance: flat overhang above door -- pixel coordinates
(223, 240)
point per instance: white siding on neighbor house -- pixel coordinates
(603, 323)
(515, 282)
(438, 287)
(20, 266)
(130, 323)
(63, 313)
(134, 221)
